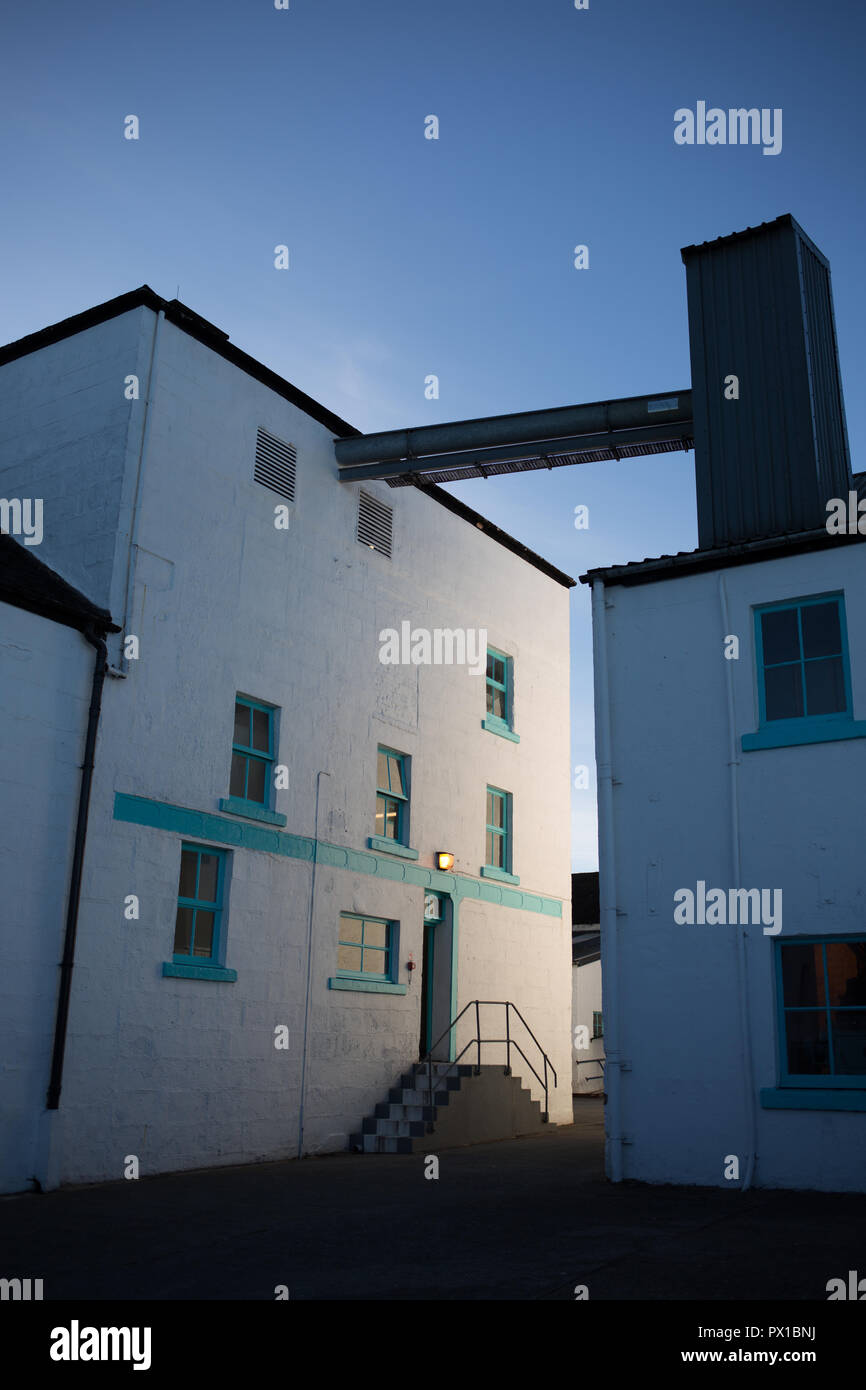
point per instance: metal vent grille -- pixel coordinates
(374, 524)
(276, 462)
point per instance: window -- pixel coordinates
(392, 796)
(365, 949)
(597, 1024)
(804, 684)
(499, 689)
(822, 1005)
(498, 830)
(252, 752)
(198, 923)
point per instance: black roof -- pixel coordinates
(584, 899)
(27, 582)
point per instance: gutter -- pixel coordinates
(607, 887)
(96, 639)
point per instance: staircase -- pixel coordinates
(457, 1103)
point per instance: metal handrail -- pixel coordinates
(509, 1041)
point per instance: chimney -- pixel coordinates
(771, 446)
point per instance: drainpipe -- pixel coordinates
(740, 935)
(607, 882)
(122, 670)
(97, 640)
(319, 775)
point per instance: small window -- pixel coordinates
(252, 751)
(392, 796)
(499, 687)
(276, 463)
(822, 1002)
(198, 925)
(374, 524)
(597, 1024)
(802, 660)
(498, 830)
(366, 948)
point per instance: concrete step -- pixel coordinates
(394, 1129)
(387, 1110)
(378, 1144)
(402, 1095)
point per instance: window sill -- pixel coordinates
(488, 871)
(236, 806)
(366, 986)
(502, 730)
(378, 842)
(789, 1098)
(199, 972)
(809, 732)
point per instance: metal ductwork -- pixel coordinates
(533, 439)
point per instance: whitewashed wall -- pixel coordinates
(676, 1023)
(184, 1073)
(587, 1075)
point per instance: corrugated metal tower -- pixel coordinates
(761, 310)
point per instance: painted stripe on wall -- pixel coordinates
(204, 825)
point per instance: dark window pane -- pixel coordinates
(780, 636)
(207, 878)
(256, 780)
(490, 694)
(375, 934)
(188, 864)
(382, 772)
(238, 782)
(808, 1052)
(783, 692)
(498, 672)
(349, 958)
(825, 686)
(183, 931)
(491, 663)
(381, 806)
(261, 730)
(498, 702)
(203, 944)
(822, 634)
(849, 1041)
(374, 962)
(396, 765)
(350, 929)
(392, 820)
(242, 724)
(802, 976)
(846, 972)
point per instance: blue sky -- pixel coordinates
(455, 257)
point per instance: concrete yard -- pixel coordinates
(525, 1219)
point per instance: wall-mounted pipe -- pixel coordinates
(310, 938)
(97, 640)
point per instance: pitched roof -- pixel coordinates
(27, 582)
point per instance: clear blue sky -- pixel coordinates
(412, 256)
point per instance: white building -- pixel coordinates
(731, 744)
(269, 798)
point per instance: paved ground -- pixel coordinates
(524, 1219)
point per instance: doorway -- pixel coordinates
(437, 977)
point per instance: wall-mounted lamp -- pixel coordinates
(444, 860)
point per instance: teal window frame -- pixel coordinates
(387, 795)
(390, 950)
(805, 727)
(501, 833)
(597, 1024)
(495, 723)
(250, 754)
(811, 1081)
(217, 907)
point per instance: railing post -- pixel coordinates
(508, 1035)
(546, 1106)
(478, 1030)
